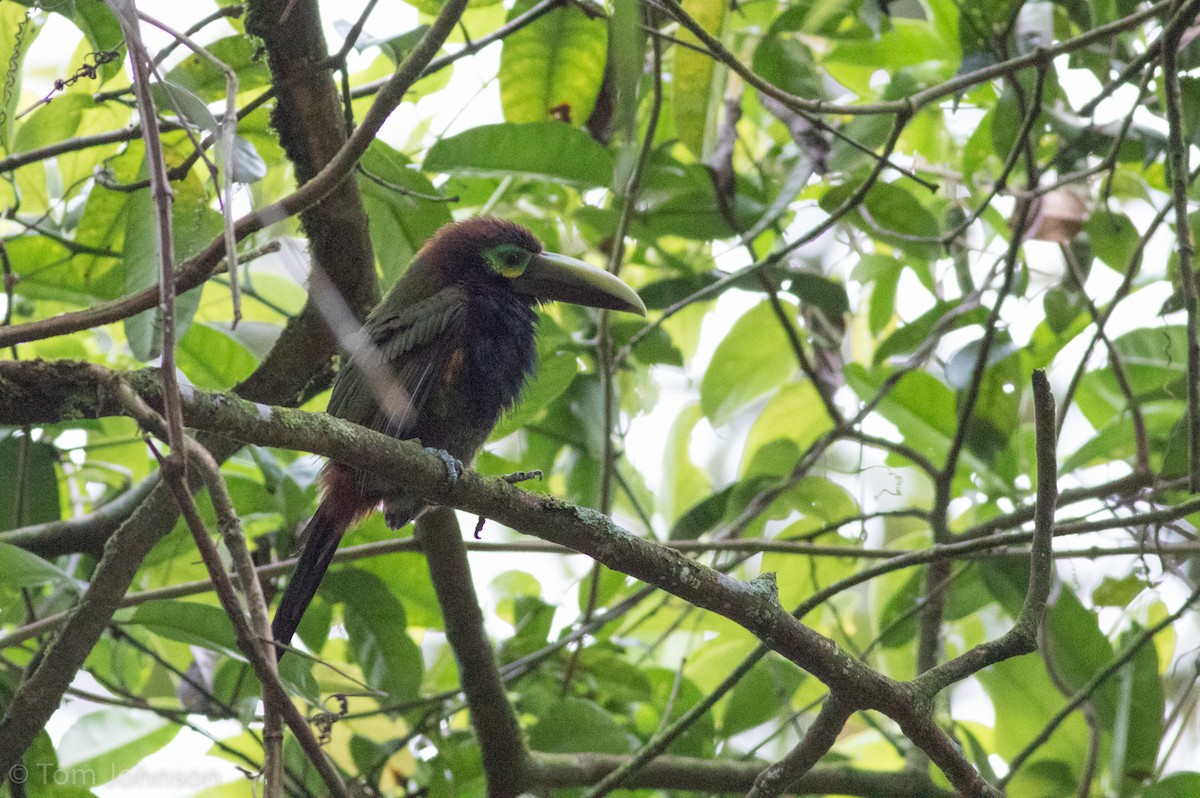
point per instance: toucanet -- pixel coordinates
(445, 353)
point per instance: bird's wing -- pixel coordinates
(412, 344)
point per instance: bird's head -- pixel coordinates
(485, 251)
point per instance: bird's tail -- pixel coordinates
(321, 538)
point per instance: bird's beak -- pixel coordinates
(550, 276)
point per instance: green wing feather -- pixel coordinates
(405, 348)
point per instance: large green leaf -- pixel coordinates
(753, 357)
(684, 483)
(195, 224)
(189, 622)
(204, 79)
(103, 745)
(543, 150)
(29, 489)
(698, 78)
(552, 69)
(25, 569)
(1138, 729)
(575, 725)
(211, 358)
(892, 214)
(377, 626)
(401, 204)
(1024, 701)
(17, 34)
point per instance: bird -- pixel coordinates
(445, 353)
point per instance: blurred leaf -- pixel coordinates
(684, 483)
(1138, 727)
(1176, 785)
(212, 359)
(754, 357)
(195, 224)
(575, 725)
(206, 80)
(402, 219)
(189, 622)
(107, 743)
(29, 490)
(1113, 238)
(24, 569)
(172, 98)
(764, 692)
(696, 87)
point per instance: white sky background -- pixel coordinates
(647, 438)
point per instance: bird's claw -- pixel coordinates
(454, 466)
(521, 476)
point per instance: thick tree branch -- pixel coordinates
(563, 771)
(753, 605)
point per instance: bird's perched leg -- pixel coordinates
(454, 466)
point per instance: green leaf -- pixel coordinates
(25, 569)
(1078, 649)
(206, 81)
(552, 68)
(684, 483)
(248, 165)
(1138, 728)
(402, 220)
(212, 359)
(29, 488)
(545, 150)
(13, 49)
(176, 99)
(574, 725)
(828, 296)
(103, 745)
(891, 214)
(698, 79)
(754, 357)
(195, 224)
(788, 63)
(761, 695)
(1113, 237)
(377, 626)
(1176, 785)
(795, 413)
(703, 516)
(1024, 701)
(189, 622)
(897, 621)
(912, 335)
(961, 367)
(1113, 592)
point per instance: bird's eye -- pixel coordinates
(507, 260)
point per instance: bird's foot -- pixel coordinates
(522, 476)
(454, 466)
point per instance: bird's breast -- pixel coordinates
(485, 369)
